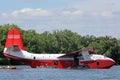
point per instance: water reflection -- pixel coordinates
(27, 73)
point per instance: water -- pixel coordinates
(27, 73)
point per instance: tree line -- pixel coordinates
(62, 41)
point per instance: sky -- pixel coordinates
(85, 17)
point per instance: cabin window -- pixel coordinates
(55, 62)
(34, 58)
(97, 63)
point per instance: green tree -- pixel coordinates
(62, 41)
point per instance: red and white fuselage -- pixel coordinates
(14, 50)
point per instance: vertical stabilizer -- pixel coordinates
(14, 38)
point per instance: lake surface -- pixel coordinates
(27, 73)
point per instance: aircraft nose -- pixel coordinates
(109, 63)
(112, 62)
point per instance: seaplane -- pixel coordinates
(14, 50)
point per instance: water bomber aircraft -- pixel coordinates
(14, 50)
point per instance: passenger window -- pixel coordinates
(55, 62)
(97, 63)
(34, 58)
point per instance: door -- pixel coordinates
(76, 60)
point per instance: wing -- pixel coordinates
(83, 54)
(71, 54)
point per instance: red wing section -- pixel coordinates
(14, 38)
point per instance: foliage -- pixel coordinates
(62, 41)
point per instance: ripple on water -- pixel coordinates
(27, 73)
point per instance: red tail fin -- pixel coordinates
(14, 38)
